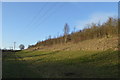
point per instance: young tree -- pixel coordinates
(21, 46)
(66, 31)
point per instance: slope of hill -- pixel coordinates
(98, 44)
(90, 53)
(61, 63)
(95, 37)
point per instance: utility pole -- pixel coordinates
(14, 45)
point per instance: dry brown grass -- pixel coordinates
(92, 44)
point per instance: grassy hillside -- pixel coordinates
(97, 44)
(62, 62)
(90, 53)
(92, 31)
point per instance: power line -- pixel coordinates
(45, 18)
(34, 17)
(37, 16)
(50, 15)
(44, 15)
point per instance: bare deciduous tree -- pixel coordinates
(66, 31)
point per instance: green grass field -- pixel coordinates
(61, 64)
